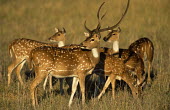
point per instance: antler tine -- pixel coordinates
(98, 12)
(86, 27)
(99, 24)
(98, 15)
(114, 26)
(103, 15)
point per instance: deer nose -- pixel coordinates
(82, 46)
(105, 39)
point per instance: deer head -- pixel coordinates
(58, 36)
(93, 36)
(92, 41)
(113, 35)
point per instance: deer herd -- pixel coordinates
(75, 62)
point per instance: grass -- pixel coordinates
(36, 19)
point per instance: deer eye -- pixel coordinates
(92, 39)
(59, 34)
(113, 34)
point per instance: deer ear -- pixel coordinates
(86, 34)
(64, 30)
(99, 36)
(56, 30)
(119, 29)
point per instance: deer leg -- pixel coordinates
(113, 82)
(130, 81)
(74, 87)
(18, 70)
(11, 67)
(96, 88)
(105, 87)
(139, 76)
(33, 86)
(61, 86)
(149, 70)
(98, 84)
(82, 87)
(69, 82)
(35, 94)
(50, 82)
(45, 82)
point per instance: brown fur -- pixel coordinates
(19, 51)
(64, 62)
(145, 49)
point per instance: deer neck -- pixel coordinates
(95, 52)
(95, 56)
(115, 46)
(61, 43)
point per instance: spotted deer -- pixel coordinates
(120, 67)
(62, 62)
(90, 78)
(145, 49)
(20, 49)
(142, 49)
(75, 61)
(54, 38)
(114, 67)
(133, 62)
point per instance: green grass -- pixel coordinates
(36, 19)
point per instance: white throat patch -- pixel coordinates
(138, 82)
(116, 46)
(95, 52)
(60, 44)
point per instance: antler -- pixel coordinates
(114, 26)
(98, 17)
(87, 27)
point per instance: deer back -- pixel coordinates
(21, 48)
(144, 48)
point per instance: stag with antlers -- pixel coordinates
(66, 62)
(118, 68)
(91, 78)
(60, 62)
(142, 48)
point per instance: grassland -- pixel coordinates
(36, 19)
